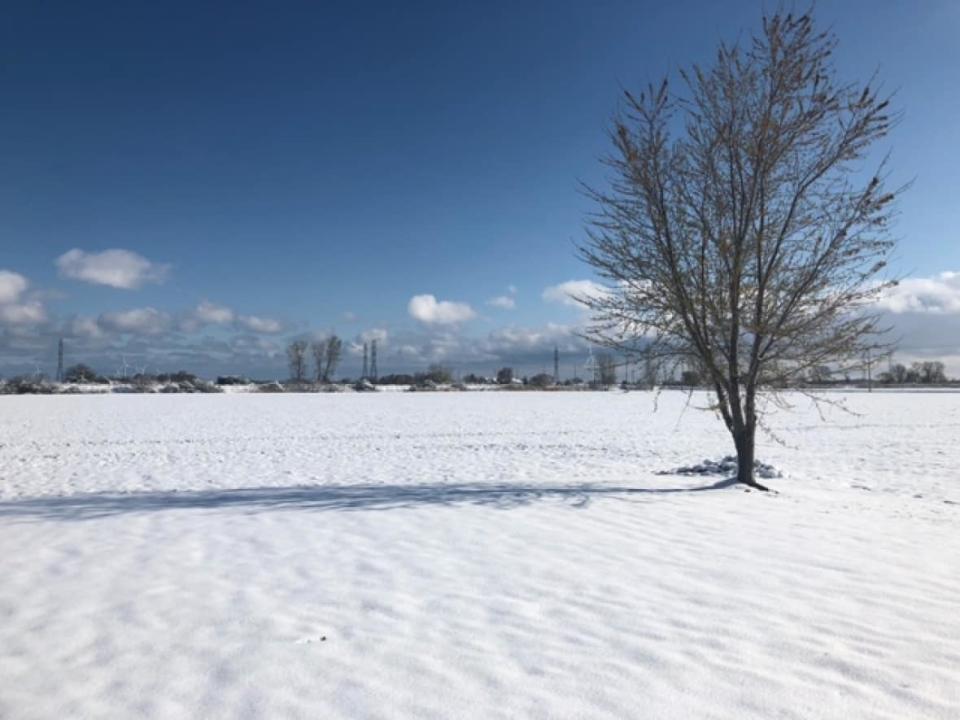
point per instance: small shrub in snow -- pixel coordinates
(727, 466)
(232, 380)
(541, 380)
(27, 386)
(85, 374)
(270, 387)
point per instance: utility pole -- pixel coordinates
(60, 361)
(363, 375)
(556, 364)
(373, 360)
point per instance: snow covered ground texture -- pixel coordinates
(487, 555)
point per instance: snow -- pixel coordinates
(474, 555)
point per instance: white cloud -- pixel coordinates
(503, 302)
(258, 324)
(408, 352)
(141, 321)
(29, 313)
(206, 313)
(938, 295)
(116, 268)
(85, 327)
(567, 293)
(151, 322)
(12, 286)
(519, 347)
(15, 311)
(427, 309)
(211, 314)
(378, 334)
(518, 340)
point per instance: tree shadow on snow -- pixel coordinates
(325, 497)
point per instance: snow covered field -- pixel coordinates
(487, 555)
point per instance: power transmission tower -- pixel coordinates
(60, 361)
(556, 364)
(364, 374)
(373, 360)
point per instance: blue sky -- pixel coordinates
(273, 170)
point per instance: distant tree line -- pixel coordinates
(928, 372)
(436, 374)
(82, 374)
(325, 356)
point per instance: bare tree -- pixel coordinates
(734, 233)
(929, 372)
(334, 351)
(819, 374)
(297, 359)
(898, 373)
(326, 357)
(437, 373)
(651, 371)
(319, 351)
(606, 369)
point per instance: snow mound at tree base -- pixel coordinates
(727, 466)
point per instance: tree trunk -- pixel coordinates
(745, 441)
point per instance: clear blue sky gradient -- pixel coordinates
(306, 160)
